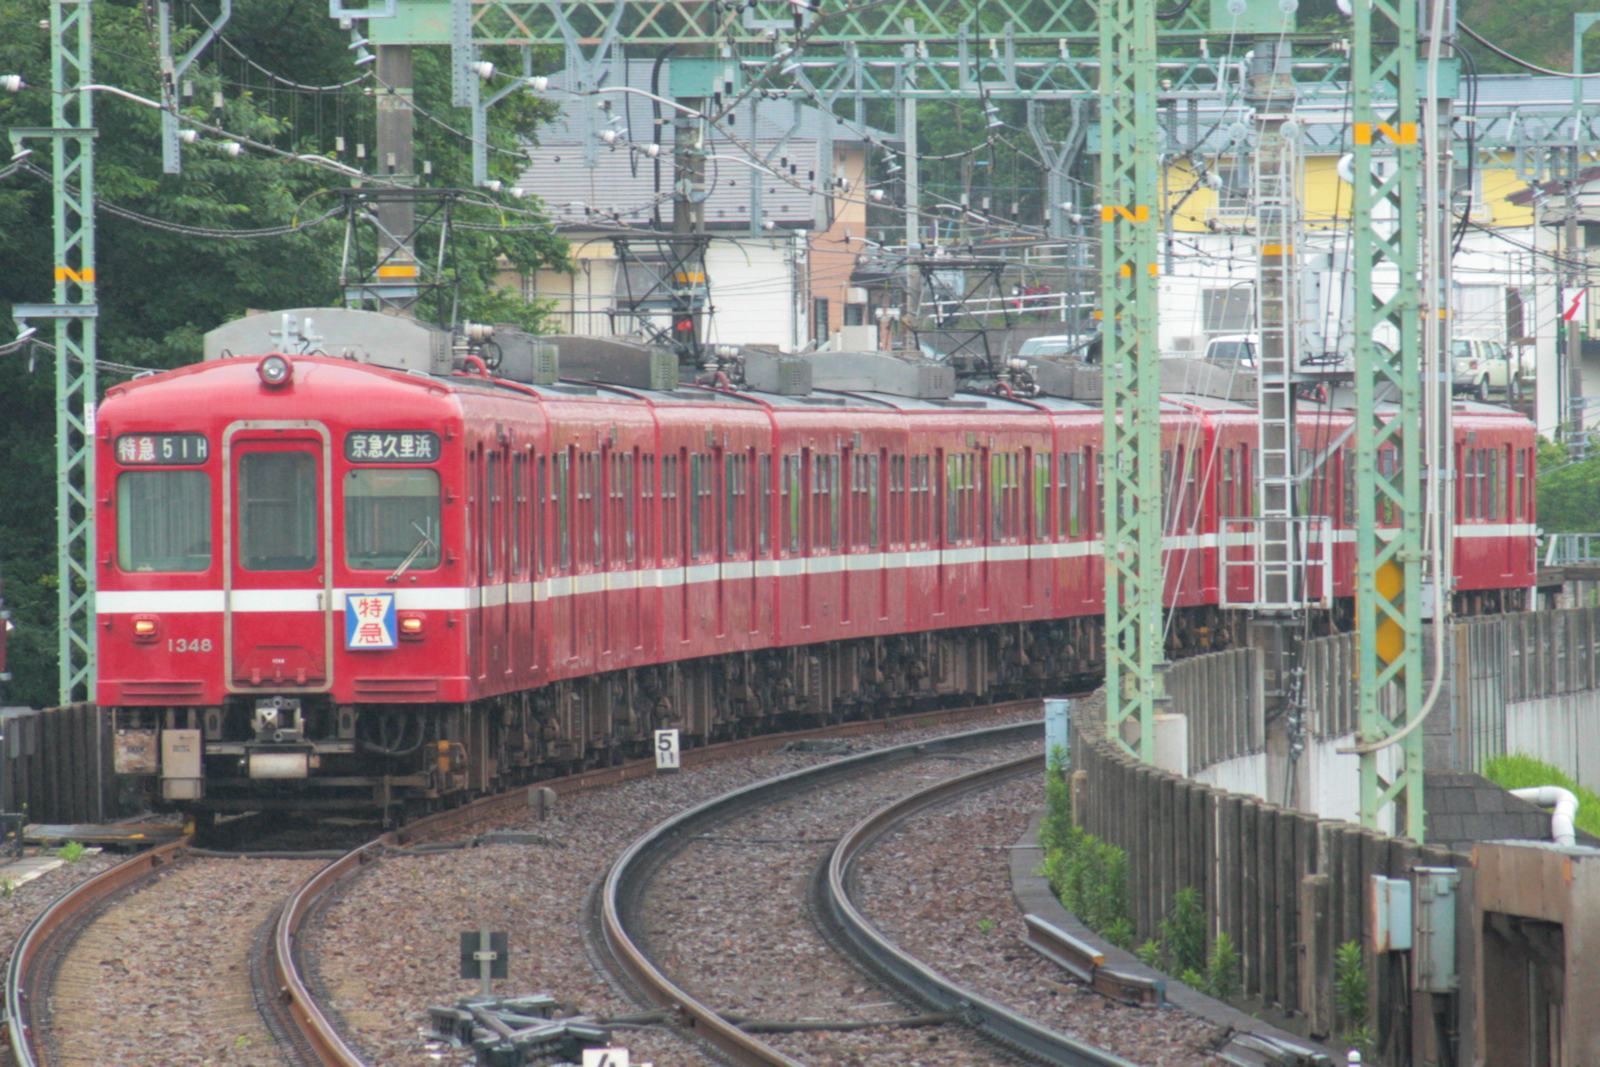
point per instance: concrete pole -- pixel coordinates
(396, 163)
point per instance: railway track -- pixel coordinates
(914, 977)
(277, 992)
(632, 937)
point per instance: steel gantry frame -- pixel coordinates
(1131, 369)
(1388, 441)
(71, 136)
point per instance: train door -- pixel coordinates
(808, 488)
(941, 486)
(278, 543)
(493, 588)
(1506, 487)
(720, 487)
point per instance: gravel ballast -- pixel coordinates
(385, 946)
(940, 887)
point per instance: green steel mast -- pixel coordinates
(1388, 436)
(71, 135)
(1131, 365)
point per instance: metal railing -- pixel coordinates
(1566, 549)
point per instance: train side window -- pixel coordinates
(694, 504)
(764, 506)
(563, 471)
(669, 508)
(164, 521)
(874, 473)
(519, 503)
(1519, 484)
(832, 463)
(541, 503)
(277, 511)
(1500, 509)
(1225, 486)
(647, 516)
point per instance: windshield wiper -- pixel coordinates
(426, 542)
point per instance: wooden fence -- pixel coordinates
(1287, 888)
(55, 765)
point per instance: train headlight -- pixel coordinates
(275, 371)
(412, 623)
(146, 629)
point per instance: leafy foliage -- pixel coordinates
(1350, 994)
(72, 851)
(1567, 490)
(1183, 932)
(159, 288)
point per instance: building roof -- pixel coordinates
(577, 175)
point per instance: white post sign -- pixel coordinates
(666, 750)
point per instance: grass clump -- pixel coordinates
(1088, 876)
(1519, 771)
(72, 851)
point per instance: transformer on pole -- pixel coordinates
(1131, 459)
(71, 136)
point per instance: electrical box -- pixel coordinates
(1433, 957)
(1389, 914)
(180, 765)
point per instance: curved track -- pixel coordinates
(625, 886)
(316, 1026)
(883, 957)
(281, 990)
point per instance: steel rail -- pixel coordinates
(624, 884)
(302, 1008)
(990, 1018)
(43, 934)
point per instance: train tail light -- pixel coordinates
(412, 624)
(146, 629)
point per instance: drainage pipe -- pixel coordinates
(1565, 805)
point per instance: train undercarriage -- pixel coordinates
(301, 754)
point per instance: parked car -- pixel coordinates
(1481, 366)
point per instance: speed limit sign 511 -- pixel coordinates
(666, 750)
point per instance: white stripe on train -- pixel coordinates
(461, 598)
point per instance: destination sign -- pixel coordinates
(391, 446)
(162, 449)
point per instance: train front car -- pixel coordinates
(278, 609)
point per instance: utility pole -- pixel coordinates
(694, 81)
(397, 271)
(1131, 368)
(71, 136)
(1388, 394)
(908, 126)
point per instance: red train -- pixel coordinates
(326, 582)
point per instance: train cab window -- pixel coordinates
(388, 515)
(164, 521)
(277, 511)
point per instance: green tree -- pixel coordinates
(161, 284)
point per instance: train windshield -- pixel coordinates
(391, 516)
(164, 521)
